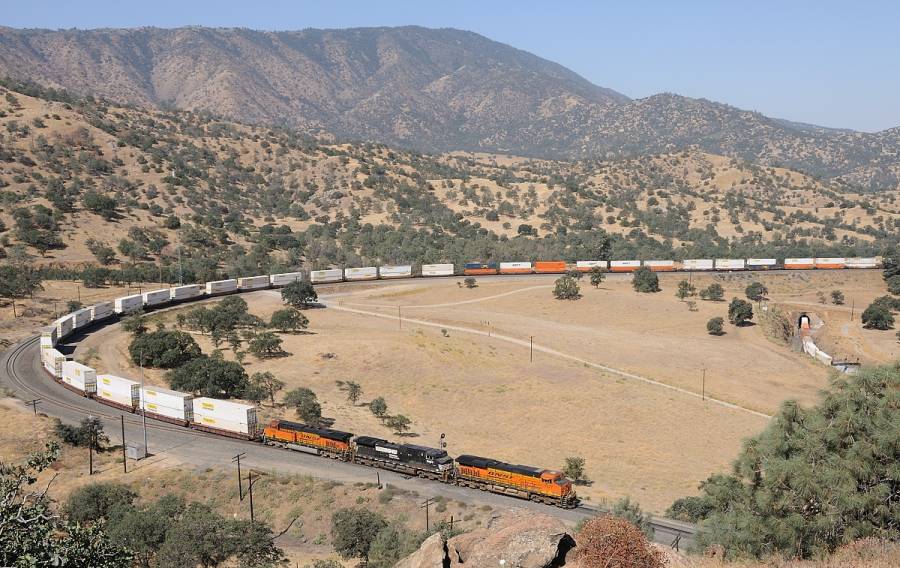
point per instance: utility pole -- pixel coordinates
(852, 308)
(531, 349)
(124, 456)
(703, 386)
(425, 506)
(14, 309)
(237, 458)
(144, 407)
(33, 404)
(180, 276)
(91, 447)
(399, 318)
(250, 489)
(78, 289)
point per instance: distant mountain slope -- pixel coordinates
(427, 89)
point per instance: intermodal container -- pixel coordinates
(186, 292)
(515, 268)
(80, 377)
(398, 271)
(81, 318)
(588, 265)
(285, 278)
(129, 304)
(660, 265)
(253, 282)
(799, 263)
(221, 287)
(730, 264)
(50, 332)
(550, 267)
(225, 415)
(53, 361)
(119, 390)
(323, 276)
(437, 270)
(480, 268)
(365, 273)
(624, 265)
(64, 326)
(831, 263)
(168, 403)
(102, 310)
(761, 263)
(157, 297)
(698, 264)
(864, 262)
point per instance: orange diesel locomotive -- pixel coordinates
(543, 485)
(296, 436)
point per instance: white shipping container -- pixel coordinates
(285, 278)
(322, 276)
(366, 273)
(613, 265)
(221, 286)
(698, 264)
(50, 332)
(437, 270)
(831, 262)
(729, 264)
(761, 262)
(129, 304)
(223, 410)
(102, 310)
(53, 361)
(64, 326)
(176, 413)
(158, 397)
(80, 376)
(587, 265)
(248, 428)
(864, 262)
(46, 343)
(157, 297)
(399, 271)
(799, 262)
(515, 266)
(117, 389)
(82, 318)
(184, 292)
(660, 264)
(253, 282)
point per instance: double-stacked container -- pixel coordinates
(437, 270)
(167, 405)
(50, 334)
(322, 276)
(221, 287)
(285, 278)
(730, 264)
(515, 268)
(78, 377)
(761, 263)
(101, 311)
(624, 265)
(588, 265)
(698, 264)
(363, 273)
(64, 326)
(53, 360)
(231, 418)
(660, 265)
(129, 304)
(186, 292)
(402, 271)
(82, 318)
(119, 391)
(253, 283)
(157, 297)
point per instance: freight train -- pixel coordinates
(239, 420)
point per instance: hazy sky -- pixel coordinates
(824, 62)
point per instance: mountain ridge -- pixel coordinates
(427, 89)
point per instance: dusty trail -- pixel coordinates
(544, 349)
(451, 304)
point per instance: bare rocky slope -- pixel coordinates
(425, 89)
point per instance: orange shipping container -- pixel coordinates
(550, 267)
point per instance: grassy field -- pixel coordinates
(639, 439)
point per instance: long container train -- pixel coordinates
(239, 420)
